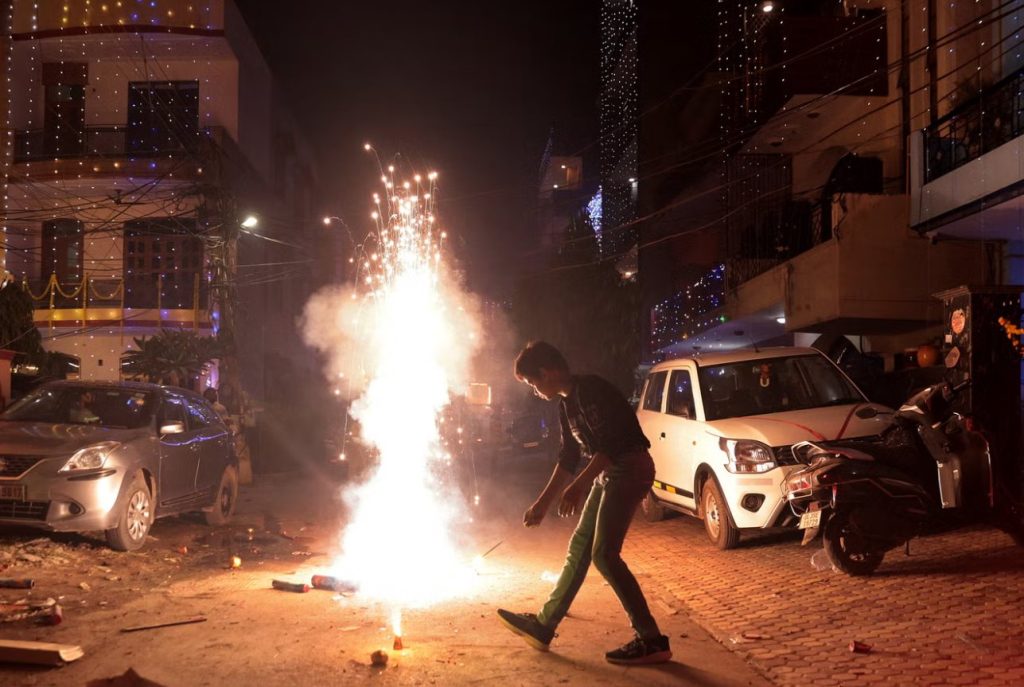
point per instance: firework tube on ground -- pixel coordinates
(332, 584)
(296, 587)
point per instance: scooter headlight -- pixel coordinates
(745, 456)
(798, 481)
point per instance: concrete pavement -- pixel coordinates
(255, 635)
(949, 614)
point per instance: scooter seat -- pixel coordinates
(904, 460)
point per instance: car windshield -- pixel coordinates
(773, 385)
(84, 405)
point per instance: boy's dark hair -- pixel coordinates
(537, 355)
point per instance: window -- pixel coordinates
(654, 392)
(773, 385)
(62, 250)
(62, 255)
(162, 117)
(162, 259)
(200, 416)
(680, 395)
(174, 411)
(64, 120)
(83, 404)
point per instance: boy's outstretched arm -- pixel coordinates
(574, 494)
(535, 513)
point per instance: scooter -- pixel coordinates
(868, 497)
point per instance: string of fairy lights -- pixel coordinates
(689, 311)
(8, 137)
(618, 109)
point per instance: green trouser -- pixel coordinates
(598, 537)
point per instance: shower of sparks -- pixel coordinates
(417, 338)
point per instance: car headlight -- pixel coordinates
(743, 455)
(90, 457)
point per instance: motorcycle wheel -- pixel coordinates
(846, 550)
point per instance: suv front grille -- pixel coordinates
(24, 510)
(16, 466)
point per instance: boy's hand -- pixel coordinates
(534, 514)
(572, 497)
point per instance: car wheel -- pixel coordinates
(135, 518)
(846, 549)
(717, 519)
(651, 508)
(227, 497)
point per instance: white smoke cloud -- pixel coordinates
(398, 355)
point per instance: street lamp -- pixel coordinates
(250, 222)
(767, 6)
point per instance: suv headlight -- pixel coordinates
(90, 457)
(743, 455)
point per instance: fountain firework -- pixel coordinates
(403, 336)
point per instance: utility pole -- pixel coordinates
(219, 213)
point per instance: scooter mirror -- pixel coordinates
(867, 412)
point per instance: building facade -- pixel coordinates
(142, 137)
(819, 221)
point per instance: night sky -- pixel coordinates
(468, 88)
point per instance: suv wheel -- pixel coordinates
(718, 523)
(651, 508)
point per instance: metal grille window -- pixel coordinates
(162, 260)
(162, 117)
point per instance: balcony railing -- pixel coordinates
(978, 126)
(140, 291)
(776, 239)
(99, 142)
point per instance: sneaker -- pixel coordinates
(528, 627)
(641, 652)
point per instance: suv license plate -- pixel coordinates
(12, 491)
(811, 518)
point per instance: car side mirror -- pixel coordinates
(176, 427)
(867, 412)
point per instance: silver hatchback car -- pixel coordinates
(81, 456)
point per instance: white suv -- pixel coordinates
(722, 427)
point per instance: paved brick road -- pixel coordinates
(950, 614)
